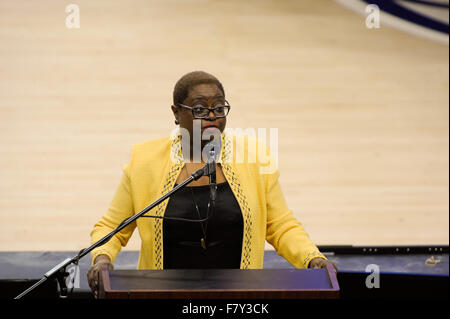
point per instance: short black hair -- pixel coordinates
(191, 79)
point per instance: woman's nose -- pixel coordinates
(211, 115)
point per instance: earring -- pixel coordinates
(176, 122)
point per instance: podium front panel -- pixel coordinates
(219, 283)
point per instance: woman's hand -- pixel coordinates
(92, 274)
(318, 263)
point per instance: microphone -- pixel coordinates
(212, 150)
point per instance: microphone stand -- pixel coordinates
(59, 271)
(212, 179)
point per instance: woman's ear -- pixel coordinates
(174, 109)
(175, 113)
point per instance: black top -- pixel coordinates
(224, 230)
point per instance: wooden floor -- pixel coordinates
(362, 114)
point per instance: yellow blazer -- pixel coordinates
(153, 170)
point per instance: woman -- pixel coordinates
(249, 209)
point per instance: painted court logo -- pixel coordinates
(424, 18)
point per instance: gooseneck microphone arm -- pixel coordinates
(59, 271)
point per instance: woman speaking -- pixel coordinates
(249, 206)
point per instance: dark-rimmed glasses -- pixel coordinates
(201, 112)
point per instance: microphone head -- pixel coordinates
(212, 150)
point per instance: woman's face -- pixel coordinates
(206, 95)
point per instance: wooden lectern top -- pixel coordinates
(219, 283)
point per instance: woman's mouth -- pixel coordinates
(209, 126)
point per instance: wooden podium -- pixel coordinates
(219, 284)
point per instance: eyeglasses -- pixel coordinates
(201, 112)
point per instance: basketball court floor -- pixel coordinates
(361, 114)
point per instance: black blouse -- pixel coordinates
(224, 230)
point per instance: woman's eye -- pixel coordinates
(200, 110)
